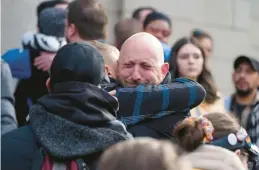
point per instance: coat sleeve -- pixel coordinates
(8, 117)
(182, 94)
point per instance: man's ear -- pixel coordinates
(165, 69)
(107, 70)
(48, 85)
(72, 30)
(238, 152)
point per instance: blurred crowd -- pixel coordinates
(72, 101)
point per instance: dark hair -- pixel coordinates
(139, 10)
(190, 136)
(90, 19)
(199, 34)
(49, 4)
(156, 16)
(126, 28)
(205, 78)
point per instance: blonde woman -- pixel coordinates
(144, 154)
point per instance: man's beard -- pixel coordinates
(243, 93)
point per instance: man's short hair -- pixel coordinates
(126, 28)
(137, 12)
(89, 17)
(110, 53)
(156, 16)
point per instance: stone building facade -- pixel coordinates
(234, 25)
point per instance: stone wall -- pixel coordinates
(17, 17)
(234, 25)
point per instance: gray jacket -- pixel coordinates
(8, 117)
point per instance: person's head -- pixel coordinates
(124, 29)
(159, 25)
(141, 61)
(86, 20)
(50, 4)
(188, 60)
(110, 55)
(246, 75)
(143, 154)
(141, 13)
(62, 5)
(52, 22)
(211, 157)
(193, 132)
(79, 62)
(204, 40)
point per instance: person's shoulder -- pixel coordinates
(19, 133)
(227, 100)
(19, 139)
(220, 100)
(18, 148)
(4, 67)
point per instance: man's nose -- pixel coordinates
(136, 75)
(242, 74)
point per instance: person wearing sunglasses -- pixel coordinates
(159, 25)
(209, 138)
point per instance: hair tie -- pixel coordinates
(207, 126)
(208, 129)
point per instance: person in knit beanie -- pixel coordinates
(51, 3)
(51, 22)
(50, 37)
(42, 47)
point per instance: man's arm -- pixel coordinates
(8, 117)
(155, 100)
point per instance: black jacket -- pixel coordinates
(76, 120)
(30, 89)
(153, 110)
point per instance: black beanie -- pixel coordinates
(156, 16)
(80, 62)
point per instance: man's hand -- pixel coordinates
(43, 62)
(113, 93)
